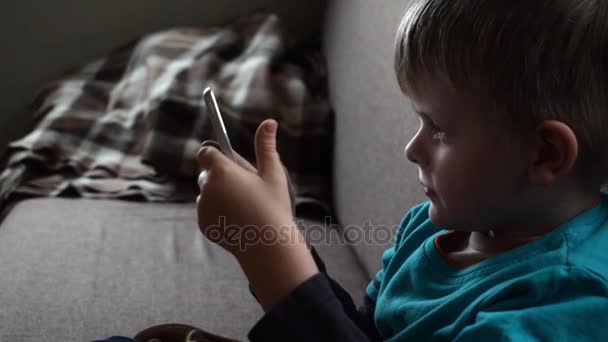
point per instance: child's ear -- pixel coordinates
(555, 152)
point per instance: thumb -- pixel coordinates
(267, 158)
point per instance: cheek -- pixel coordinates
(463, 176)
(477, 176)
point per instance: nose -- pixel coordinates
(414, 150)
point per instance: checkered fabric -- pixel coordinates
(130, 125)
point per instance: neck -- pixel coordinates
(502, 239)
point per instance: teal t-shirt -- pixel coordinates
(552, 289)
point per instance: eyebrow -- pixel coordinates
(441, 123)
(424, 115)
(415, 110)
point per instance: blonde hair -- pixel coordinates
(533, 59)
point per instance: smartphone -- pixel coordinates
(219, 130)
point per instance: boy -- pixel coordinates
(512, 97)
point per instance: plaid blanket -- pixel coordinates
(129, 125)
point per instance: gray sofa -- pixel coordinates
(77, 269)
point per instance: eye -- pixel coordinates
(437, 133)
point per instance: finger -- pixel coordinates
(238, 158)
(244, 163)
(211, 143)
(291, 191)
(202, 179)
(209, 156)
(268, 161)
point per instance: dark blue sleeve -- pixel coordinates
(117, 339)
(317, 310)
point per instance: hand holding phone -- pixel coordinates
(219, 130)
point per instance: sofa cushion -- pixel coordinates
(374, 184)
(79, 269)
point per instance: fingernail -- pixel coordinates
(271, 127)
(210, 143)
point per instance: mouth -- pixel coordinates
(427, 190)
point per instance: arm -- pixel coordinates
(320, 286)
(233, 200)
(301, 303)
(312, 312)
(337, 307)
(275, 268)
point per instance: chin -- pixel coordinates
(443, 220)
(436, 217)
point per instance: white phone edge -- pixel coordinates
(217, 123)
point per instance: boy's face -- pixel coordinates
(475, 176)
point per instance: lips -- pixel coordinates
(424, 184)
(427, 190)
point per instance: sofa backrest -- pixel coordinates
(374, 184)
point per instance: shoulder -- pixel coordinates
(560, 301)
(550, 285)
(586, 239)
